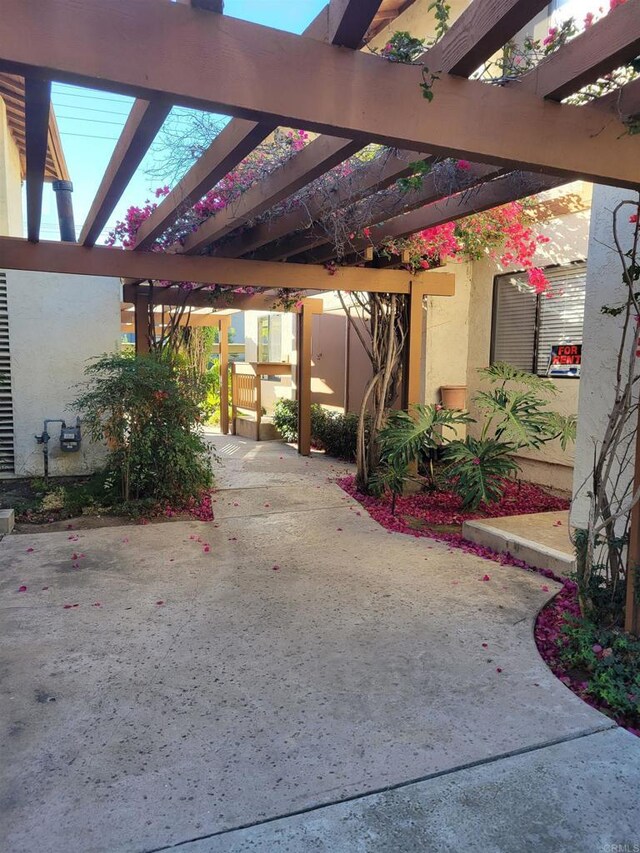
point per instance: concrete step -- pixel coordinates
(541, 539)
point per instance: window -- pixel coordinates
(270, 338)
(526, 326)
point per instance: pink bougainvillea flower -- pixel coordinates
(206, 549)
(74, 556)
(486, 578)
(276, 568)
(236, 504)
(126, 540)
(544, 587)
(596, 647)
(633, 218)
(29, 550)
(465, 165)
(22, 588)
(485, 645)
(498, 669)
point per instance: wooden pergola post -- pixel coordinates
(141, 322)
(305, 321)
(224, 323)
(413, 390)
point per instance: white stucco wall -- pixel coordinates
(601, 339)
(57, 323)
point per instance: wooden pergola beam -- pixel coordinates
(379, 101)
(72, 259)
(609, 43)
(315, 159)
(372, 177)
(37, 106)
(436, 185)
(500, 191)
(480, 30)
(342, 22)
(141, 128)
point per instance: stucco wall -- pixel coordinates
(569, 242)
(447, 335)
(601, 339)
(56, 324)
(10, 181)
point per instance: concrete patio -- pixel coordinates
(308, 681)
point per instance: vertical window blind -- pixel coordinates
(526, 326)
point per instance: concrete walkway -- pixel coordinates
(309, 682)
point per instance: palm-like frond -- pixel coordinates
(503, 372)
(409, 436)
(521, 417)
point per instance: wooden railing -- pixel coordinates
(246, 387)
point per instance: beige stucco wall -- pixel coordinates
(10, 181)
(569, 241)
(56, 324)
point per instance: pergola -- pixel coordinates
(519, 137)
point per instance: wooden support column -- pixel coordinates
(413, 390)
(303, 371)
(141, 323)
(224, 323)
(632, 609)
(305, 321)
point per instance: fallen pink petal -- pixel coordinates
(22, 588)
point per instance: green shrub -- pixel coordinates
(608, 661)
(477, 469)
(333, 432)
(148, 410)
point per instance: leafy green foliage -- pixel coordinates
(477, 468)
(520, 415)
(334, 432)
(148, 410)
(609, 662)
(390, 476)
(413, 436)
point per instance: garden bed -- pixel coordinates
(76, 502)
(599, 665)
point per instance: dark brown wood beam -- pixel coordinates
(473, 37)
(140, 129)
(480, 30)
(379, 101)
(372, 177)
(440, 183)
(346, 20)
(500, 191)
(37, 106)
(315, 159)
(609, 43)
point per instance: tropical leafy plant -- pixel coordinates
(415, 436)
(390, 476)
(520, 415)
(478, 468)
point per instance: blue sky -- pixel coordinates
(90, 121)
